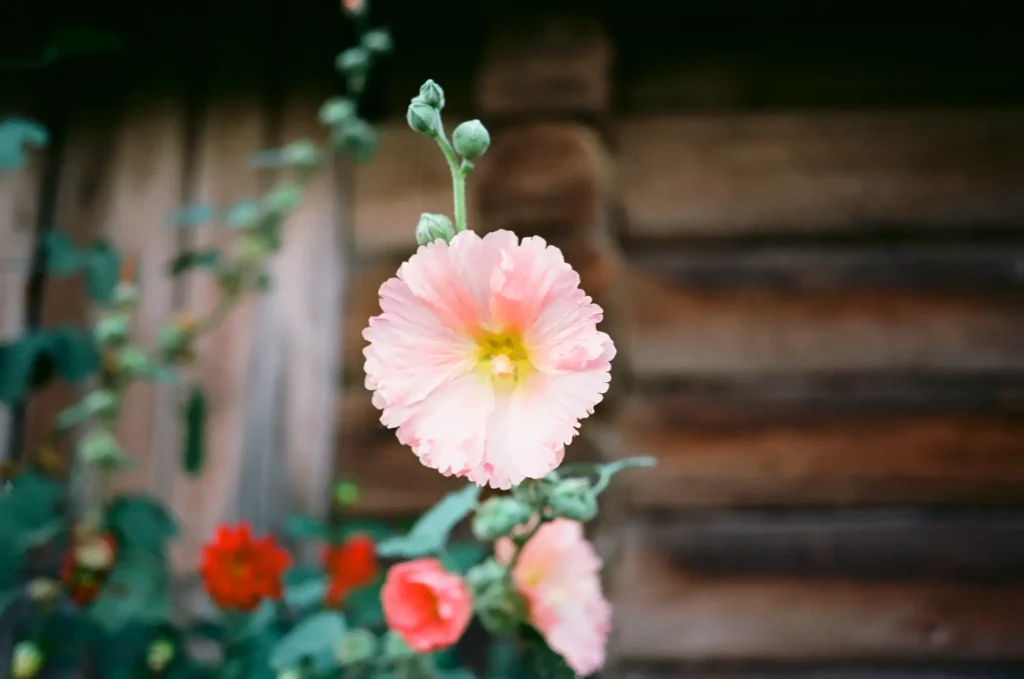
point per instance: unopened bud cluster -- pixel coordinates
(470, 139)
(350, 133)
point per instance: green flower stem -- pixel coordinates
(458, 181)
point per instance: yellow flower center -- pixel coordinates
(502, 358)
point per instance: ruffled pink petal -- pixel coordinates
(421, 361)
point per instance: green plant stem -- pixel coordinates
(458, 181)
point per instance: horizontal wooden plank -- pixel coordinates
(679, 329)
(664, 613)
(545, 65)
(829, 442)
(996, 268)
(824, 670)
(691, 60)
(827, 173)
(391, 479)
(879, 544)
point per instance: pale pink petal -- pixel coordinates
(479, 414)
(448, 430)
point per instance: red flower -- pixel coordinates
(84, 565)
(240, 571)
(350, 565)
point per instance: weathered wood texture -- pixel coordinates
(233, 122)
(870, 544)
(20, 193)
(545, 65)
(825, 670)
(82, 185)
(821, 173)
(751, 330)
(673, 614)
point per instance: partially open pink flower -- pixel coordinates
(487, 356)
(558, 574)
(427, 606)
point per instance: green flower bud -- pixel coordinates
(159, 656)
(43, 590)
(132, 361)
(496, 517)
(99, 448)
(26, 661)
(497, 604)
(434, 227)
(126, 296)
(432, 95)
(346, 493)
(337, 110)
(471, 139)
(175, 341)
(395, 647)
(574, 499)
(378, 41)
(263, 281)
(243, 215)
(484, 575)
(102, 403)
(301, 154)
(423, 118)
(251, 248)
(111, 330)
(355, 647)
(283, 198)
(353, 60)
(356, 137)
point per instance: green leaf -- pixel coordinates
(540, 662)
(141, 523)
(61, 256)
(363, 606)
(461, 557)
(302, 527)
(28, 507)
(304, 587)
(8, 595)
(313, 639)
(206, 629)
(74, 353)
(17, 360)
(135, 592)
(430, 533)
(15, 135)
(102, 272)
(192, 215)
(189, 259)
(195, 428)
(243, 215)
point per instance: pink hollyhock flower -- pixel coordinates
(558, 574)
(427, 606)
(487, 356)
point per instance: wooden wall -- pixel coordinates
(805, 223)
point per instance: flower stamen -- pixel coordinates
(502, 358)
